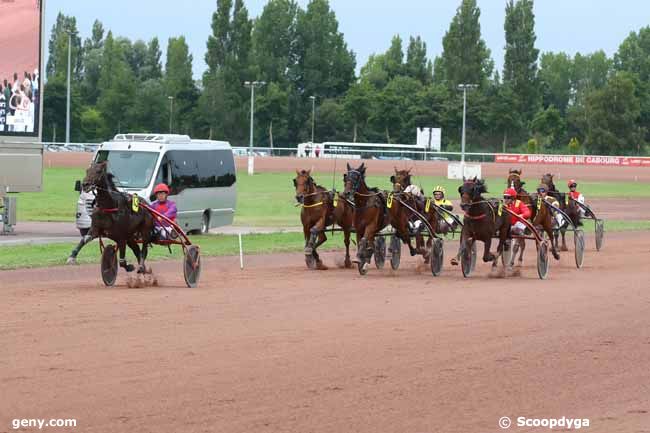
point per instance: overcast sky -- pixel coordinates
(368, 25)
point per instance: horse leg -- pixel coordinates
(346, 240)
(487, 255)
(563, 232)
(321, 240)
(121, 246)
(549, 232)
(307, 233)
(522, 247)
(138, 255)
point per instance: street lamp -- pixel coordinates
(464, 88)
(313, 115)
(171, 112)
(67, 108)
(252, 85)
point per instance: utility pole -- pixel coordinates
(464, 88)
(252, 85)
(171, 112)
(67, 115)
(313, 116)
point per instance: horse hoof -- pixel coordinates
(556, 256)
(71, 261)
(309, 251)
(348, 264)
(454, 262)
(129, 268)
(320, 266)
(564, 248)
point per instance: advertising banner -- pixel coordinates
(20, 81)
(620, 161)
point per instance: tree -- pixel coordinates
(613, 113)
(92, 60)
(222, 104)
(392, 109)
(152, 68)
(417, 66)
(555, 80)
(272, 115)
(394, 58)
(548, 126)
(520, 61)
(357, 105)
(116, 87)
(465, 57)
(324, 65)
(57, 62)
(274, 34)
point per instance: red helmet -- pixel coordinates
(571, 182)
(510, 192)
(161, 187)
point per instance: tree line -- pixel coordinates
(539, 102)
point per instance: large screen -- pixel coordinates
(20, 80)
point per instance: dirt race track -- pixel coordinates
(377, 167)
(277, 348)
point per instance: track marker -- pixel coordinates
(241, 254)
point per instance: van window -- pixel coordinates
(201, 169)
(131, 169)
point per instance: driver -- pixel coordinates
(576, 195)
(166, 207)
(517, 207)
(447, 223)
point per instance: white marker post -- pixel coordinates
(241, 254)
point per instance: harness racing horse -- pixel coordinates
(483, 219)
(543, 217)
(116, 217)
(370, 213)
(321, 208)
(545, 220)
(401, 216)
(566, 204)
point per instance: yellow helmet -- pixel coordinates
(439, 189)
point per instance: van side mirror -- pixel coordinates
(77, 186)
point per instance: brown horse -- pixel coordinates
(566, 204)
(545, 220)
(401, 217)
(482, 221)
(542, 217)
(370, 212)
(115, 217)
(320, 209)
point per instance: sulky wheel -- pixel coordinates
(468, 258)
(109, 265)
(600, 232)
(192, 266)
(395, 252)
(437, 256)
(380, 252)
(579, 242)
(542, 260)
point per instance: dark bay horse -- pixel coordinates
(482, 220)
(370, 212)
(566, 204)
(116, 218)
(545, 220)
(321, 208)
(401, 216)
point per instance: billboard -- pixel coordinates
(20, 67)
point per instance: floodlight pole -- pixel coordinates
(67, 108)
(252, 85)
(464, 88)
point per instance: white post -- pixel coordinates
(241, 254)
(67, 116)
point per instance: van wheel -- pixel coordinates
(205, 223)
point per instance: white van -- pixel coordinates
(201, 174)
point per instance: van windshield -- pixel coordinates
(131, 169)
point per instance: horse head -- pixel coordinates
(304, 184)
(400, 180)
(514, 179)
(470, 192)
(353, 179)
(97, 175)
(547, 179)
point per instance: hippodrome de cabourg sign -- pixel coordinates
(623, 161)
